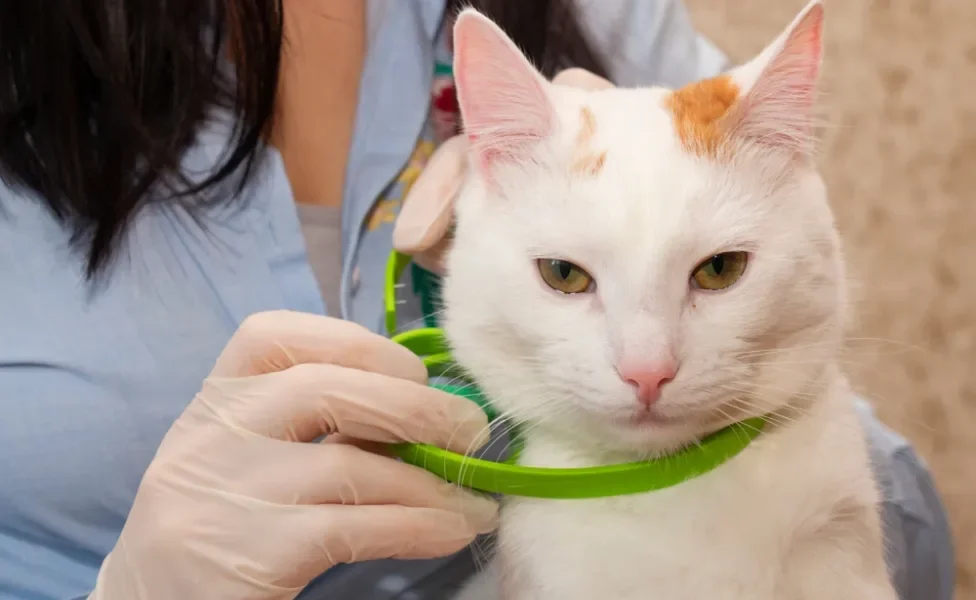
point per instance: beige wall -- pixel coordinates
(900, 162)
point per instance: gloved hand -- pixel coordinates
(234, 507)
(422, 229)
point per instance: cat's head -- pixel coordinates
(642, 266)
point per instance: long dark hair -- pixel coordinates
(101, 99)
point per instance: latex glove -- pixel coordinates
(233, 507)
(423, 228)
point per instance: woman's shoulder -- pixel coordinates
(196, 246)
(197, 265)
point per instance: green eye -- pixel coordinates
(563, 276)
(720, 271)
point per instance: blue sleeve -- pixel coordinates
(649, 42)
(918, 540)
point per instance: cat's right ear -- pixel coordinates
(504, 100)
(780, 86)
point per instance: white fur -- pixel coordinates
(792, 517)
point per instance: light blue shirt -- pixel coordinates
(91, 378)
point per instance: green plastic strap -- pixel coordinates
(594, 482)
(394, 270)
(516, 480)
(430, 345)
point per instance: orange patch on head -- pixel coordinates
(588, 126)
(587, 161)
(698, 109)
(590, 164)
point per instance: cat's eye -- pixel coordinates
(720, 271)
(563, 276)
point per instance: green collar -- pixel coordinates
(516, 480)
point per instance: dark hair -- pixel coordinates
(100, 100)
(549, 32)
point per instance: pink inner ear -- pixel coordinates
(778, 108)
(503, 100)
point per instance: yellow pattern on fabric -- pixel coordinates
(386, 209)
(418, 160)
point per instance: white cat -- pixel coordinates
(633, 269)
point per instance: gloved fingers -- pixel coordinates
(581, 79)
(368, 446)
(276, 340)
(359, 533)
(310, 400)
(342, 474)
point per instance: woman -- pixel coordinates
(148, 209)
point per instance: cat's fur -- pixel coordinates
(638, 186)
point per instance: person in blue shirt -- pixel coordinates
(187, 188)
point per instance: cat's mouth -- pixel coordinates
(646, 418)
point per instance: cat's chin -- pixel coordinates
(645, 433)
(648, 434)
(650, 419)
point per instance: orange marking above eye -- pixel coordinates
(587, 162)
(698, 110)
(590, 164)
(588, 127)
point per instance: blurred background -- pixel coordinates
(899, 158)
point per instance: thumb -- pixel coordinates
(428, 209)
(350, 534)
(582, 79)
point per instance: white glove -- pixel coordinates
(233, 507)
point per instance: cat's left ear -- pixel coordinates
(504, 100)
(778, 88)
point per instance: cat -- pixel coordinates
(633, 269)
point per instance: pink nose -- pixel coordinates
(648, 378)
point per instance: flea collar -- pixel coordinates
(512, 479)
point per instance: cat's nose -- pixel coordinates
(648, 378)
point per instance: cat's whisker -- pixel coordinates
(523, 429)
(735, 424)
(773, 411)
(755, 388)
(844, 346)
(752, 389)
(751, 400)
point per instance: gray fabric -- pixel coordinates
(398, 580)
(322, 229)
(918, 540)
